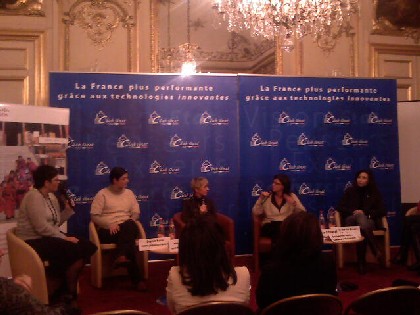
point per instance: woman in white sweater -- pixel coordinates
(205, 272)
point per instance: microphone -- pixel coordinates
(270, 192)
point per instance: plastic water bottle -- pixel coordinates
(161, 229)
(171, 229)
(331, 218)
(321, 219)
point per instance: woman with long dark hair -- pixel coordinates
(298, 266)
(205, 271)
(362, 205)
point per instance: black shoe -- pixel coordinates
(361, 268)
(414, 267)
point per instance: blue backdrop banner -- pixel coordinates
(238, 131)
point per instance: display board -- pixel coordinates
(238, 131)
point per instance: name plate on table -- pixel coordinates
(159, 244)
(347, 234)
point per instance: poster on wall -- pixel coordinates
(164, 129)
(29, 136)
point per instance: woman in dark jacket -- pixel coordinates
(362, 205)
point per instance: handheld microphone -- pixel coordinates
(270, 192)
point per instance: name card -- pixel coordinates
(345, 234)
(173, 245)
(159, 243)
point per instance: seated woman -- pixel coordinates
(299, 266)
(114, 210)
(276, 206)
(199, 204)
(38, 225)
(362, 205)
(205, 272)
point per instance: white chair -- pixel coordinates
(102, 261)
(350, 253)
(25, 260)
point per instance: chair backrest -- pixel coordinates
(25, 260)
(218, 308)
(308, 304)
(403, 300)
(122, 312)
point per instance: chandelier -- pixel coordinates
(287, 20)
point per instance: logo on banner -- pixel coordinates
(177, 142)
(257, 141)
(79, 145)
(303, 140)
(103, 119)
(256, 191)
(375, 120)
(348, 185)
(157, 168)
(348, 140)
(285, 118)
(102, 169)
(124, 142)
(177, 193)
(141, 197)
(332, 165)
(329, 118)
(207, 119)
(78, 199)
(285, 165)
(156, 220)
(376, 164)
(304, 189)
(207, 167)
(156, 119)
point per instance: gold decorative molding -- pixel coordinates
(35, 77)
(154, 36)
(99, 19)
(22, 7)
(397, 18)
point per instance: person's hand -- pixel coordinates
(24, 281)
(72, 239)
(203, 208)
(265, 194)
(357, 212)
(114, 229)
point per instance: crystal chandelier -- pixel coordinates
(287, 20)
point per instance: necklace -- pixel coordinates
(51, 207)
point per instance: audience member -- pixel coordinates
(199, 204)
(362, 205)
(16, 298)
(114, 210)
(205, 272)
(298, 266)
(38, 225)
(410, 237)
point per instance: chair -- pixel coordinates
(102, 261)
(122, 312)
(404, 300)
(308, 304)
(226, 223)
(384, 245)
(219, 308)
(25, 260)
(262, 244)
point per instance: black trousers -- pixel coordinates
(125, 239)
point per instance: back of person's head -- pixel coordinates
(205, 266)
(300, 237)
(198, 182)
(285, 180)
(116, 173)
(43, 173)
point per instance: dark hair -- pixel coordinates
(371, 185)
(285, 180)
(300, 238)
(205, 266)
(43, 173)
(116, 173)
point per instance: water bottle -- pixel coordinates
(171, 229)
(161, 229)
(331, 218)
(321, 219)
